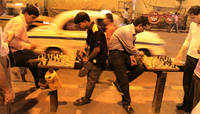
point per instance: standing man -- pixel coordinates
(20, 46)
(110, 26)
(125, 15)
(121, 46)
(174, 23)
(191, 44)
(96, 41)
(5, 79)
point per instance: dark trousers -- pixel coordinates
(137, 70)
(92, 77)
(190, 65)
(196, 81)
(118, 60)
(20, 59)
(173, 26)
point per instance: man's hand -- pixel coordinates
(133, 61)
(85, 59)
(9, 96)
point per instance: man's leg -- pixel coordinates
(21, 59)
(136, 71)
(176, 27)
(171, 28)
(92, 78)
(23, 72)
(34, 71)
(196, 81)
(118, 62)
(190, 65)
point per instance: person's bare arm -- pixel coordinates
(181, 52)
(185, 45)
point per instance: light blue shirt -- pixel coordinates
(126, 34)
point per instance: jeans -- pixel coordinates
(20, 59)
(118, 61)
(92, 77)
(196, 82)
(190, 65)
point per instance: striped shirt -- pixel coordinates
(127, 35)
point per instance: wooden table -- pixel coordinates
(157, 64)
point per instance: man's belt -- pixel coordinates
(112, 51)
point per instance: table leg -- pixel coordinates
(159, 90)
(8, 108)
(53, 101)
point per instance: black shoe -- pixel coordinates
(180, 106)
(37, 87)
(24, 80)
(115, 84)
(189, 110)
(128, 108)
(82, 101)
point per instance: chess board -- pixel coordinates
(54, 61)
(162, 63)
(152, 63)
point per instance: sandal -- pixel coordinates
(82, 101)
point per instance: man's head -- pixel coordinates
(82, 19)
(194, 13)
(1, 9)
(140, 23)
(108, 19)
(30, 12)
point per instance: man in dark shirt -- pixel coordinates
(96, 42)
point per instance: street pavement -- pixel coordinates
(105, 97)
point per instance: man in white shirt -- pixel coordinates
(192, 44)
(21, 47)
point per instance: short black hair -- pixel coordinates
(31, 10)
(81, 17)
(110, 17)
(194, 10)
(141, 20)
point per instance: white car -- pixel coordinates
(62, 34)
